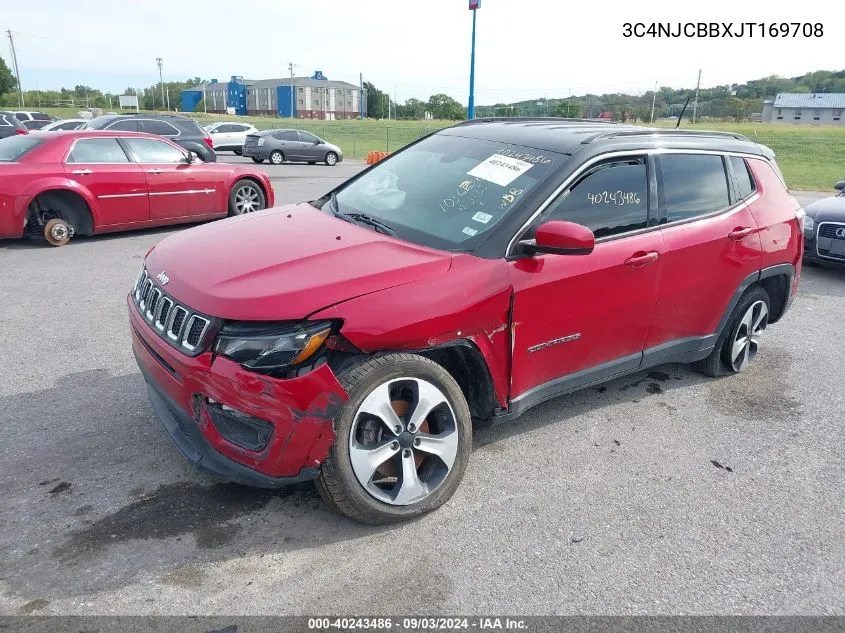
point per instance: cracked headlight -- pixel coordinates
(272, 347)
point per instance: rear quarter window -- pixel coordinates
(744, 180)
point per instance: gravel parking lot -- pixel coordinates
(663, 492)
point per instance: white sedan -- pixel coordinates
(229, 135)
(64, 124)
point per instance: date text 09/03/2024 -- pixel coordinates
(723, 29)
(418, 624)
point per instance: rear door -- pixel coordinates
(102, 166)
(177, 189)
(712, 245)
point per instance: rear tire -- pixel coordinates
(237, 152)
(257, 160)
(424, 461)
(277, 158)
(741, 335)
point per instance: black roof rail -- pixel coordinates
(664, 132)
(532, 119)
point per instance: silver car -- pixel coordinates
(279, 146)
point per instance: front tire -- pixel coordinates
(740, 340)
(277, 158)
(403, 440)
(246, 196)
(331, 159)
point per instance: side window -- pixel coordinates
(221, 129)
(610, 199)
(161, 128)
(97, 150)
(693, 185)
(40, 116)
(308, 137)
(287, 135)
(744, 181)
(21, 116)
(240, 128)
(150, 150)
(124, 125)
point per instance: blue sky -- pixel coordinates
(526, 48)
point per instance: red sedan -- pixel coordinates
(61, 184)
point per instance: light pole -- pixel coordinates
(160, 80)
(473, 6)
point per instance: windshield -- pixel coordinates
(13, 147)
(447, 192)
(98, 123)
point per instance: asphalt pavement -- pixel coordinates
(660, 493)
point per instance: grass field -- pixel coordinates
(811, 158)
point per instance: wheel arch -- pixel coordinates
(241, 177)
(777, 282)
(73, 205)
(463, 360)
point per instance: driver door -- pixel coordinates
(579, 319)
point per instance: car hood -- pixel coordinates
(832, 208)
(285, 263)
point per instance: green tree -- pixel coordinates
(7, 79)
(443, 106)
(376, 102)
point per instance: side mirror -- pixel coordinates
(191, 157)
(214, 131)
(562, 238)
(839, 186)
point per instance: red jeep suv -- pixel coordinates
(480, 271)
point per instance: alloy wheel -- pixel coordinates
(404, 441)
(747, 338)
(247, 199)
(331, 159)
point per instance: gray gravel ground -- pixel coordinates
(661, 493)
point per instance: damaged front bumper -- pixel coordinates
(240, 426)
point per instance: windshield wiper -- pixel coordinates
(359, 218)
(363, 218)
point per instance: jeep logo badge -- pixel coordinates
(163, 278)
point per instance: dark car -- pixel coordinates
(824, 229)
(179, 129)
(468, 277)
(10, 125)
(279, 146)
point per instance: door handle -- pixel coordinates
(740, 232)
(641, 258)
(154, 171)
(82, 172)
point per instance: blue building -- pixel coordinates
(314, 97)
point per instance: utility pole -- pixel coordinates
(473, 6)
(292, 89)
(160, 80)
(695, 103)
(17, 70)
(653, 101)
(361, 94)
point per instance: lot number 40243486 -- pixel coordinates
(613, 197)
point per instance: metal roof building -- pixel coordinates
(817, 108)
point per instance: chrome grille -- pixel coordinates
(173, 322)
(828, 229)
